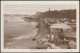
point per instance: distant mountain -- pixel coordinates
(14, 15)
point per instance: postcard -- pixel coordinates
(39, 26)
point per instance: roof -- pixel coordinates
(60, 25)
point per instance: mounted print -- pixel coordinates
(40, 26)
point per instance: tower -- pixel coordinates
(49, 9)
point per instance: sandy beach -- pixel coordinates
(18, 32)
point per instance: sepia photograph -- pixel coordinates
(40, 25)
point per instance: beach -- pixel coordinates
(17, 31)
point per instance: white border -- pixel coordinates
(38, 2)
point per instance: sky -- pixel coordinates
(31, 9)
